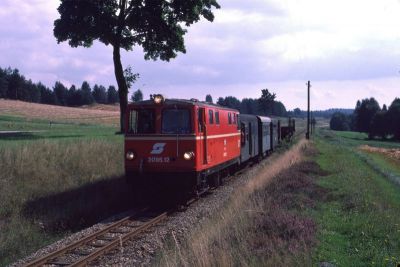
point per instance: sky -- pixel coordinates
(348, 49)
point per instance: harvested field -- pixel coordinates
(392, 153)
(95, 114)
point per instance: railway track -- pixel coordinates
(91, 247)
(87, 249)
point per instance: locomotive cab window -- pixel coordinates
(210, 117)
(176, 121)
(141, 121)
(217, 117)
(200, 119)
(229, 118)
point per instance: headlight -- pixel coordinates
(130, 155)
(188, 155)
(158, 99)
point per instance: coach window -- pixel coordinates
(210, 117)
(176, 121)
(141, 121)
(229, 118)
(217, 117)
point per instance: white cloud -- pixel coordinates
(342, 46)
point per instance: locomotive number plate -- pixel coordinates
(158, 159)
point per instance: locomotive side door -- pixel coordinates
(203, 130)
(250, 140)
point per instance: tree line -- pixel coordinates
(327, 114)
(15, 86)
(264, 105)
(370, 118)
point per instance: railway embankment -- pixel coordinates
(329, 209)
(146, 249)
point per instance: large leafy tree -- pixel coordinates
(155, 25)
(266, 102)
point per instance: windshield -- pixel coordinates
(176, 121)
(141, 121)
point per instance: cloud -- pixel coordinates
(342, 46)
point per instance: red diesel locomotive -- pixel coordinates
(179, 143)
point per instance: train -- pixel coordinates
(187, 146)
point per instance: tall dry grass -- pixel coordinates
(48, 189)
(224, 239)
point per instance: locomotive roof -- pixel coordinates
(172, 101)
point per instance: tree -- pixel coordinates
(279, 109)
(379, 125)
(266, 102)
(297, 112)
(209, 98)
(249, 106)
(112, 95)
(74, 96)
(137, 96)
(339, 122)
(47, 96)
(99, 94)
(15, 82)
(60, 92)
(32, 92)
(3, 83)
(393, 117)
(155, 25)
(364, 112)
(86, 94)
(229, 101)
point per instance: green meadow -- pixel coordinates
(56, 178)
(358, 222)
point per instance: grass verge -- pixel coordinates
(55, 182)
(265, 223)
(359, 224)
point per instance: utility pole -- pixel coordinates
(308, 110)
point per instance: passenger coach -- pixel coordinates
(179, 143)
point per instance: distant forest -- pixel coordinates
(319, 113)
(370, 118)
(15, 86)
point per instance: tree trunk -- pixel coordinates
(122, 87)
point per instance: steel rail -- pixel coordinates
(119, 240)
(83, 241)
